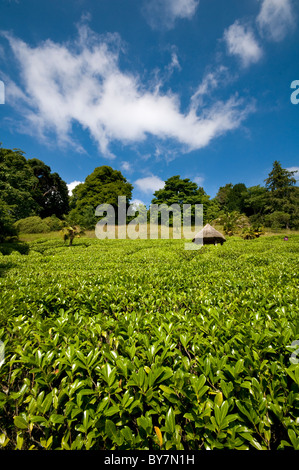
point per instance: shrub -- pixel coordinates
(54, 223)
(8, 248)
(32, 224)
(85, 218)
(278, 219)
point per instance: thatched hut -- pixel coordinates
(209, 236)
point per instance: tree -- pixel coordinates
(7, 229)
(213, 211)
(28, 188)
(280, 180)
(255, 200)
(16, 184)
(278, 219)
(181, 191)
(231, 197)
(50, 191)
(237, 197)
(102, 186)
(232, 221)
(283, 197)
(293, 210)
(222, 195)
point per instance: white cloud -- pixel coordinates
(211, 81)
(164, 13)
(173, 65)
(241, 42)
(275, 19)
(149, 184)
(198, 180)
(126, 166)
(294, 168)
(72, 185)
(82, 83)
(137, 202)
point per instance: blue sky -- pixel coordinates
(153, 88)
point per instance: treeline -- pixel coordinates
(34, 199)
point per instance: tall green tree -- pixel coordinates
(222, 196)
(255, 204)
(7, 228)
(283, 200)
(16, 184)
(102, 186)
(232, 197)
(280, 180)
(181, 191)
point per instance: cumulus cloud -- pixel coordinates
(82, 83)
(149, 184)
(242, 43)
(275, 19)
(198, 180)
(126, 166)
(72, 185)
(296, 169)
(136, 203)
(164, 13)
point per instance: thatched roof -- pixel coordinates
(209, 235)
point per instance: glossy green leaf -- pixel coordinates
(20, 422)
(170, 421)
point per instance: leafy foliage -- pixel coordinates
(283, 197)
(32, 224)
(276, 205)
(102, 186)
(7, 229)
(50, 192)
(233, 221)
(69, 233)
(181, 191)
(35, 224)
(16, 183)
(28, 190)
(121, 344)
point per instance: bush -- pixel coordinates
(54, 223)
(84, 218)
(278, 219)
(8, 248)
(32, 224)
